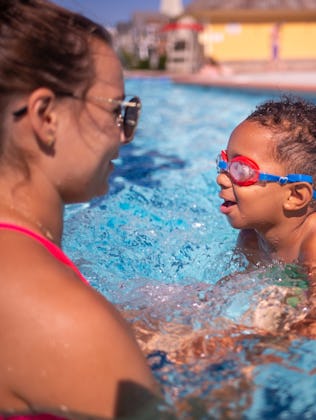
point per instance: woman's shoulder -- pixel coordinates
(66, 330)
(42, 286)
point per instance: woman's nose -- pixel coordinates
(122, 137)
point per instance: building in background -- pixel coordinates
(260, 32)
(140, 42)
(171, 8)
(253, 32)
(183, 50)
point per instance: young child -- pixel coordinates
(267, 178)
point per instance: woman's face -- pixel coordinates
(89, 134)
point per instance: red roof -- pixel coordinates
(174, 26)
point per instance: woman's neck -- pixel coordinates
(42, 212)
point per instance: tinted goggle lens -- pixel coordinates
(130, 118)
(243, 171)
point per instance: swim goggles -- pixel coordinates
(244, 171)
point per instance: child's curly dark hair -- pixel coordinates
(293, 121)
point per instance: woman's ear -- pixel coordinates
(299, 196)
(43, 117)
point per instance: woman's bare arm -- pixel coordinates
(67, 348)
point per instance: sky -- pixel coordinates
(109, 12)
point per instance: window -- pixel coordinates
(179, 45)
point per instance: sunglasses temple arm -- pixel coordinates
(129, 104)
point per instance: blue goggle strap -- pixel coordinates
(222, 165)
(282, 180)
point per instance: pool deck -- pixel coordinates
(298, 82)
(277, 81)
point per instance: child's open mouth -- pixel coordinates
(226, 206)
(228, 203)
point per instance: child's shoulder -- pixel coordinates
(307, 254)
(310, 226)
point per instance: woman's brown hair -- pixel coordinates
(42, 44)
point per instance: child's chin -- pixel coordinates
(235, 224)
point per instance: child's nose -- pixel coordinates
(223, 180)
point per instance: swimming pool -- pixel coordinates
(157, 246)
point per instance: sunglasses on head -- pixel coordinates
(244, 171)
(127, 112)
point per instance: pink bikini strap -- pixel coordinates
(50, 246)
(32, 417)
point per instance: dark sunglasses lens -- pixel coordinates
(131, 118)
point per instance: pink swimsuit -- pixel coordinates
(57, 253)
(33, 417)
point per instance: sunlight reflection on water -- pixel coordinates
(157, 246)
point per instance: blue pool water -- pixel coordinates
(157, 246)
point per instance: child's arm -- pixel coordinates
(307, 258)
(307, 254)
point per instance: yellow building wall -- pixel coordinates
(237, 41)
(298, 41)
(253, 41)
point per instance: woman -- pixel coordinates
(64, 348)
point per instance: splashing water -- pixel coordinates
(158, 247)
